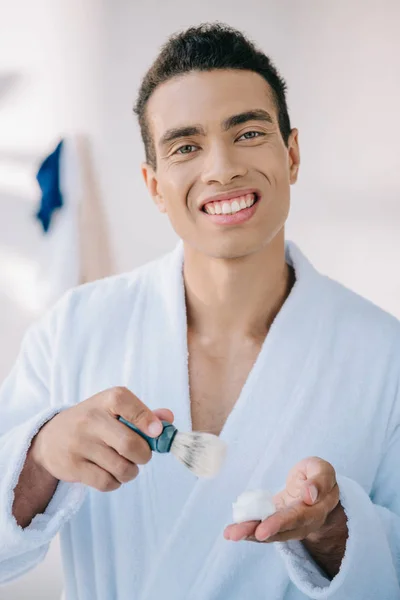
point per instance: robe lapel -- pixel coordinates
(263, 415)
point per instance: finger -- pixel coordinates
(295, 482)
(286, 536)
(319, 488)
(299, 516)
(123, 440)
(332, 499)
(311, 480)
(164, 414)
(282, 500)
(121, 402)
(282, 520)
(315, 466)
(240, 531)
(110, 461)
(321, 475)
(95, 477)
(311, 493)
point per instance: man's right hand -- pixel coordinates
(88, 444)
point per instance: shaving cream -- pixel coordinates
(254, 505)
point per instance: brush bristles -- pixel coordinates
(202, 453)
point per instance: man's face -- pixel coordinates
(217, 133)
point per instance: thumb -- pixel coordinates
(296, 482)
(164, 414)
(306, 478)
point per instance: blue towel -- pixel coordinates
(48, 177)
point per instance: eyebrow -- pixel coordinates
(176, 133)
(258, 114)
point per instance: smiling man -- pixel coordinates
(237, 334)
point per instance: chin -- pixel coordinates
(231, 249)
(234, 244)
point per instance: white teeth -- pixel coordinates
(249, 200)
(228, 208)
(211, 209)
(235, 206)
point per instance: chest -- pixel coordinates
(217, 375)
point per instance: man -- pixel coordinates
(297, 374)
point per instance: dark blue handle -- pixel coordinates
(163, 442)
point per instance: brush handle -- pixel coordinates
(163, 442)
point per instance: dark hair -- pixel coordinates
(204, 48)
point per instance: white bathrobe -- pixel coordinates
(326, 383)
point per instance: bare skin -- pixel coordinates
(86, 444)
(236, 280)
(308, 510)
(221, 355)
(236, 277)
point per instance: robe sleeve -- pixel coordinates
(371, 565)
(25, 405)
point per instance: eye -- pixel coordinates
(186, 149)
(250, 135)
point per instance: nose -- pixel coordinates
(221, 166)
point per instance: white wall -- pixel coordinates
(79, 66)
(53, 51)
(341, 60)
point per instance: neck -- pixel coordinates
(230, 299)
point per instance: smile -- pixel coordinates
(234, 211)
(230, 207)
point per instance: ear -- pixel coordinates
(151, 181)
(294, 155)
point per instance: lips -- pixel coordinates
(230, 196)
(230, 207)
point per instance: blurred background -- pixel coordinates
(71, 69)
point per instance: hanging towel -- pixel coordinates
(75, 248)
(48, 178)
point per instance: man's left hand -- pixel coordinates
(308, 510)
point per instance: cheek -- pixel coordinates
(274, 163)
(175, 185)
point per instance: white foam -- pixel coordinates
(254, 505)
